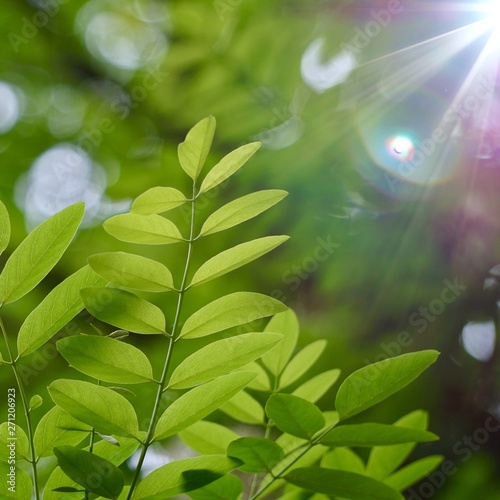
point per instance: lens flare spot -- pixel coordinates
(401, 147)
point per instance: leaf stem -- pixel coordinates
(25, 402)
(171, 341)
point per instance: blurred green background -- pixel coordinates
(96, 95)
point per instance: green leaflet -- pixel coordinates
(194, 150)
(384, 460)
(208, 438)
(374, 383)
(287, 324)
(23, 485)
(200, 402)
(132, 271)
(57, 428)
(235, 257)
(143, 229)
(314, 388)
(58, 479)
(94, 473)
(294, 415)
(61, 305)
(221, 357)
(40, 251)
(228, 311)
(413, 473)
(184, 475)
(231, 163)
(301, 362)
(22, 444)
(228, 487)
(343, 459)
(4, 228)
(343, 484)
(241, 210)
(35, 402)
(257, 454)
(100, 407)
(123, 310)
(244, 408)
(261, 382)
(116, 454)
(157, 200)
(106, 359)
(369, 435)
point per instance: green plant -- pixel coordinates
(296, 434)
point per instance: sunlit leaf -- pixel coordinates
(106, 359)
(343, 459)
(61, 305)
(287, 324)
(35, 402)
(9, 435)
(123, 310)
(22, 484)
(184, 475)
(143, 229)
(244, 408)
(116, 454)
(194, 150)
(343, 484)
(100, 407)
(231, 163)
(413, 473)
(57, 428)
(132, 271)
(208, 437)
(235, 257)
(4, 228)
(374, 383)
(221, 357)
(228, 311)
(241, 210)
(94, 473)
(294, 415)
(302, 362)
(58, 479)
(157, 200)
(33, 259)
(314, 388)
(228, 487)
(257, 454)
(261, 382)
(200, 402)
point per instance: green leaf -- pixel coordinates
(35, 402)
(106, 359)
(157, 200)
(208, 437)
(22, 484)
(100, 407)
(58, 479)
(184, 475)
(383, 460)
(261, 382)
(61, 305)
(343, 459)
(132, 271)
(94, 473)
(343, 484)
(413, 473)
(316, 387)
(231, 163)
(200, 402)
(368, 435)
(194, 150)
(235, 257)
(143, 229)
(287, 324)
(228, 487)
(57, 428)
(301, 362)
(244, 408)
(13, 434)
(295, 415)
(372, 384)
(33, 259)
(4, 228)
(221, 357)
(116, 454)
(257, 454)
(228, 311)
(123, 310)
(241, 210)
